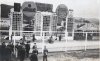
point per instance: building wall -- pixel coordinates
(16, 22)
(54, 22)
(38, 22)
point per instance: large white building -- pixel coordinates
(45, 21)
(70, 26)
(16, 23)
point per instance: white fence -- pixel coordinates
(63, 45)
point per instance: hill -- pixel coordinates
(5, 9)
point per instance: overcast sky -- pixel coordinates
(82, 8)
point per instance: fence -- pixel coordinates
(81, 40)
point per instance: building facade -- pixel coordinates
(45, 21)
(70, 23)
(16, 22)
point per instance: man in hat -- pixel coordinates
(3, 51)
(45, 53)
(34, 57)
(22, 52)
(27, 47)
(34, 46)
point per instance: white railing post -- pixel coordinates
(86, 41)
(14, 42)
(43, 42)
(66, 35)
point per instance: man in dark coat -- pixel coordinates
(22, 53)
(17, 48)
(35, 51)
(50, 40)
(27, 47)
(33, 57)
(3, 51)
(11, 47)
(60, 38)
(34, 38)
(45, 53)
(8, 53)
(34, 46)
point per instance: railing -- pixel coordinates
(66, 44)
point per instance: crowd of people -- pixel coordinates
(6, 51)
(20, 51)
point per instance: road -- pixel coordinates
(76, 55)
(70, 45)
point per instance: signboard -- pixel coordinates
(44, 7)
(17, 7)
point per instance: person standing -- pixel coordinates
(50, 40)
(17, 47)
(45, 53)
(34, 46)
(60, 38)
(22, 52)
(34, 38)
(33, 57)
(11, 46)
(24, 38)
(27, 47)
(8, 52)
(3, 51)
(35, 51)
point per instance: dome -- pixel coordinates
(62, 6)
(62, 11)
(29, 9)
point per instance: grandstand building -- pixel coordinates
(34, 18)
(83, 27)
(16, 17)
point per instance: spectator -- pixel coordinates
(34, 46)
(60, 38)
(45, 53)
(3, 51)
(35, 51)
(24, 38)
(8, 52)
(50, 40)
(33, 57)
(34, 38)
(11, 46)
(17, 47)
(27, 47)
(22, 52)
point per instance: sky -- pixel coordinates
(82, 8)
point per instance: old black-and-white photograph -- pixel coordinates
(49, 30)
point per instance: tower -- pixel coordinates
(70, 25)
(16, 17)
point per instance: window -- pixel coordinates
(69, 34)
(29, 5)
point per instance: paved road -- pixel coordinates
(70, 45)
(72, 55)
